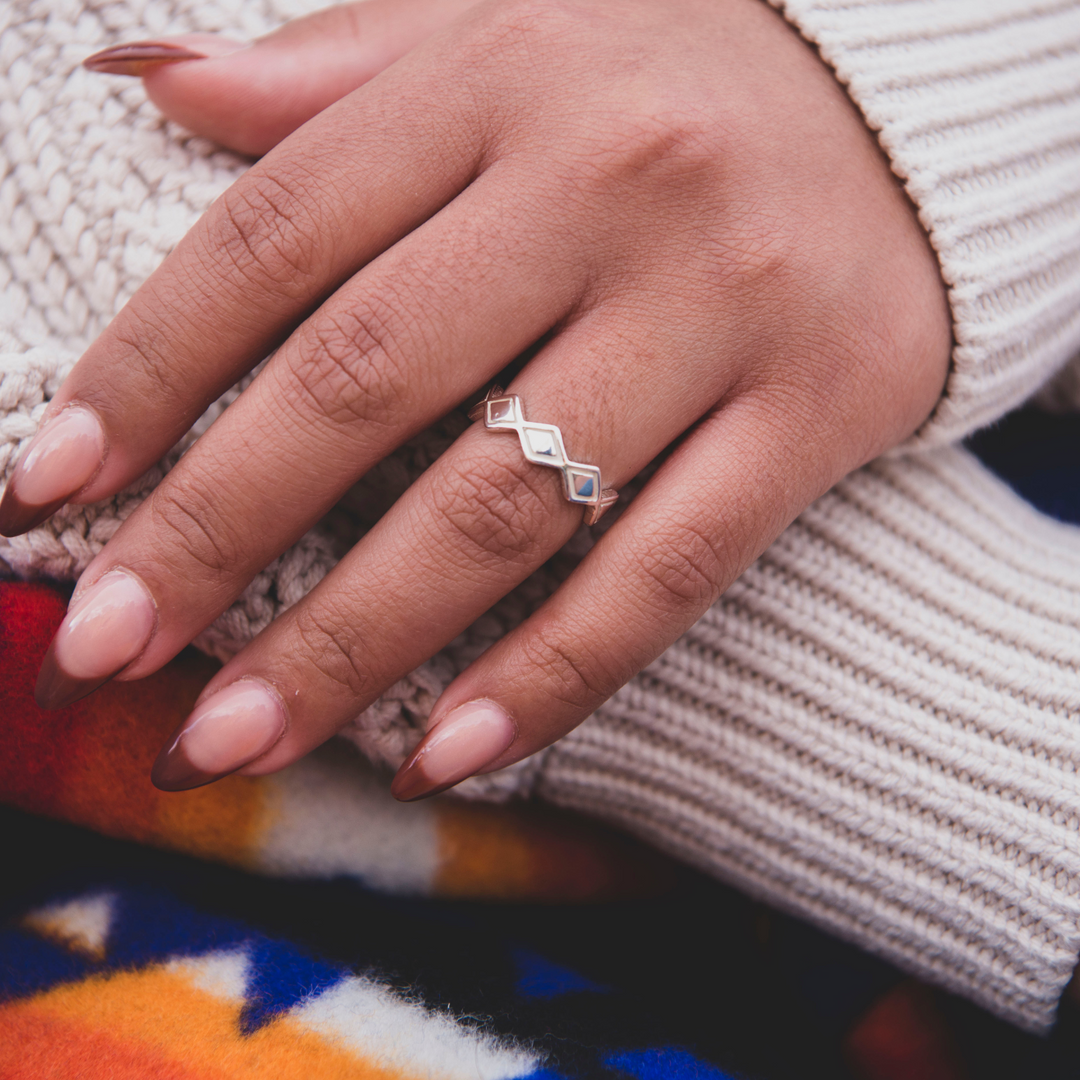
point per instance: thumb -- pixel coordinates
(250, 97)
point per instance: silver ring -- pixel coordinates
(542, 444)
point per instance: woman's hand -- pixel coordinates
(676, 201)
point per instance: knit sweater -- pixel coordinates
(878, 726)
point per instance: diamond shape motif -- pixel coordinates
(584, 484)
(541, 442)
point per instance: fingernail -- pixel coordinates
(60, 459)
(105, 629)
(469, 738)
(139, 57)
(232, 727)
(136, 58)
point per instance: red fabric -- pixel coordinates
(89, 762)
(903, 1037)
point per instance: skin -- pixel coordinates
(679, 199)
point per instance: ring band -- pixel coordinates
(542, 444)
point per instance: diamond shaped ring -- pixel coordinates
(542, 444)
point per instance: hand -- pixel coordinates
(675, 204)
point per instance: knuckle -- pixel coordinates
(263, 227)
(684, 571)
(570, 676)
(654, 144)
(186, 520)
(352, 363)
(497, 509)
(331, 644)
(145, 346)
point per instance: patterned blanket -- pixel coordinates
(306, 925)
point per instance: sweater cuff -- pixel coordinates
(977, 105)
(876, 729)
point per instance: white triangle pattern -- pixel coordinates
(81, 924)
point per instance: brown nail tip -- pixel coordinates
(56, 688)
(60, 696)
(139, 56)
(173, 772)
(411, 785)
(169, 776)
(17, 517)
(430, 794)
(421, 795)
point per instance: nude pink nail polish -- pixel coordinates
(461, 744)
(227, 731)
(59, 461)
(104, 630)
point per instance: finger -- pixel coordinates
(272, 247)
(251, 97)
(379, 361)
(473, 526)
(712, 508)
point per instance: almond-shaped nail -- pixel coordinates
(459, 745)
(60, 459)
(229, 729)
(139, 56)
(105, 629)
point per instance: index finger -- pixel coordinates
(276, 243)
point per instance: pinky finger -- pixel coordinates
(704, 517)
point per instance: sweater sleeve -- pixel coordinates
(877, 728)
(977, 105)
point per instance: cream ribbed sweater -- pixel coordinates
(878, 726)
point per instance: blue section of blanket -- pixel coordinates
(700, 984)
(1038, 455)
(664, 1063)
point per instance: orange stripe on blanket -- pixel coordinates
(158, 1015)
(540, 854)
(38, 1047)
(330, 814)
(90, 763)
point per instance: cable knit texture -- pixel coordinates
(877, 726)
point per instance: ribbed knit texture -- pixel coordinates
(877, 726)
(977, 104)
